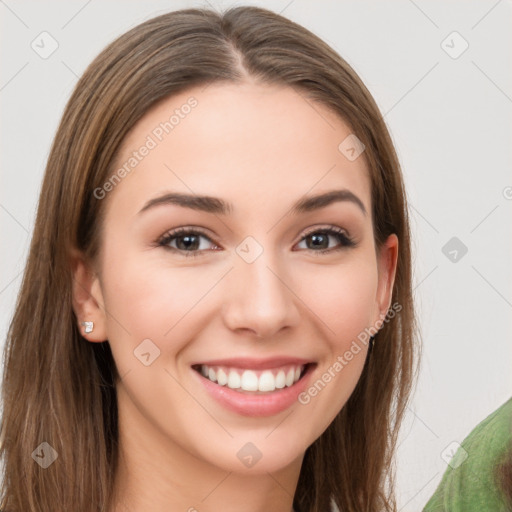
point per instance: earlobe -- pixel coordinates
(87, 300)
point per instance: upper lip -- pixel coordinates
(255, 364)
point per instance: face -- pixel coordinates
(223, 314)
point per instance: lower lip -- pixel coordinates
(256, 405)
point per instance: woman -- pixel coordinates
(217, 306)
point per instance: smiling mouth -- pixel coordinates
(254, 381)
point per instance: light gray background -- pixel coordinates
(450, 119)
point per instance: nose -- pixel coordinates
(260, 298)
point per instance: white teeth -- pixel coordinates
(222, 378)
(280, 379)
(249, 380)
(267, 382)
(233, 380)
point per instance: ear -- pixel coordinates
(87, 298)
(387, 258)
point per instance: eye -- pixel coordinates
(320, 237)
(187, 241)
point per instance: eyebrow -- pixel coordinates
(219, 206)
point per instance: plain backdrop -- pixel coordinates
(441, 74)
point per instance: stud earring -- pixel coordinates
(89, 326)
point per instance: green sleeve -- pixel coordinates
(468, 484)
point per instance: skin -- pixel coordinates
(262, 148)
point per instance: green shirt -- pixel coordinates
(468, 484)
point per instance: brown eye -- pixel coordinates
(318, 240)
(187, 241)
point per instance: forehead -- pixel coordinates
(247, 143)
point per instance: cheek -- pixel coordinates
(148, 299)
(342, 297)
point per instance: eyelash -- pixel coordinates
(346, 241)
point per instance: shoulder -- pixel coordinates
(495, 421)
(469, 481)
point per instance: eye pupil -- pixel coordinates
(315, 238)
(188, 243)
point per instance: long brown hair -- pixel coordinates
(60, 389)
